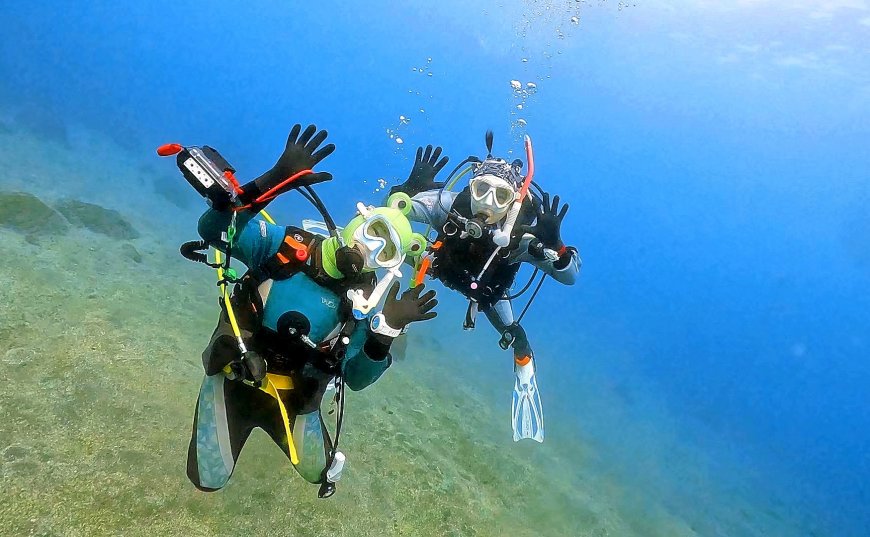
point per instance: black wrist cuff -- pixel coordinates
(250, 192)
(376, 348)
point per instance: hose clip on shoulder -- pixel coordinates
(231, 229)
(229, 276)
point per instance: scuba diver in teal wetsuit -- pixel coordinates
(484, 233)
(301, 322)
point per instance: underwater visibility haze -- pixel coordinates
(707, 374)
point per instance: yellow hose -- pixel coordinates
(271, 380)
(226, 295)
(267, 217)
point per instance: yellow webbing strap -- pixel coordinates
(273, 384)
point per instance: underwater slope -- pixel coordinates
(100, 341)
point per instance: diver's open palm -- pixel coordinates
(302, 153)
(399, 312)
(426, 167)
(548, 226)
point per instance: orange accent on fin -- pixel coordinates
(437, 245)
(523, 360)
(282, 258)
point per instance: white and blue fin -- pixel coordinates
(526, 410)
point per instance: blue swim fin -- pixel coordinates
(526, 410)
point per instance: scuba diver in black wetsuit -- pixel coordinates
(301, 322)
(484, 233)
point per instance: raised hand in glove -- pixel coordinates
(301, 153)
(548, 226)
(399, 312)
(426, 167)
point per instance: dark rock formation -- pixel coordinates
(97, 219)
(27, 214)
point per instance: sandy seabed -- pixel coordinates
(100, 368)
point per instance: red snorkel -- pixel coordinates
(502, 237)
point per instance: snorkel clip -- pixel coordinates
(361, 306)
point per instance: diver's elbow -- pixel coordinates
(208, 227)
(356, 385)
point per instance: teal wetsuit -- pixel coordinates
(228, 411)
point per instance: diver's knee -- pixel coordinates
(313, 473)
(202, 488)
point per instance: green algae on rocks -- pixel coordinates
(98, 219)
(28, 214)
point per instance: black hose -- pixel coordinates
(471, 158)
(526, 287)
(529, 303)
(192, 251)
(318, 204)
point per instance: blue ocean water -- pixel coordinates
(714, 155)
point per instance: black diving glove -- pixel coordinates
(301, 153)
(412, 307)
(397, 313)
(422, 178)
(548, 227)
